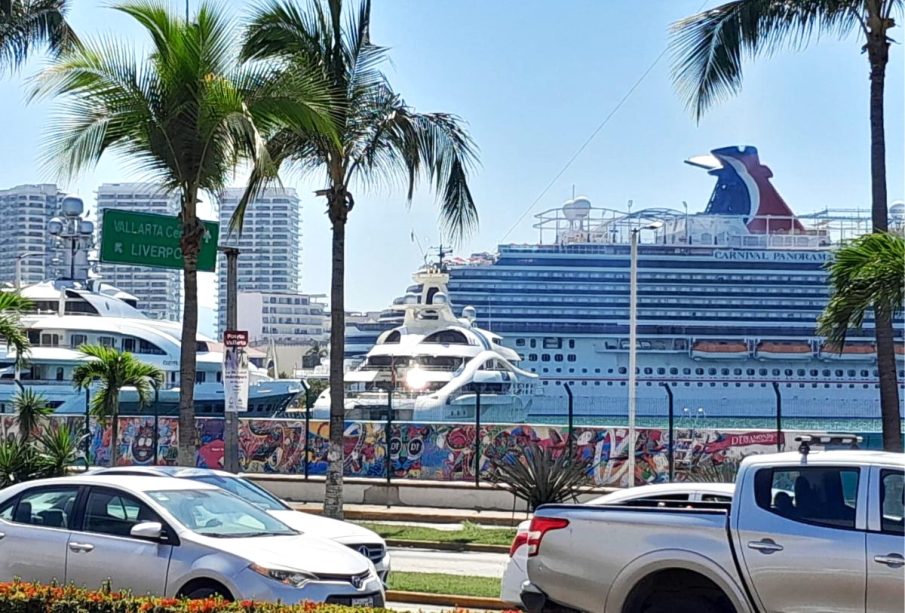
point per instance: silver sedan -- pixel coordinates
(171, 537)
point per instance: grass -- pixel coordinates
(439, 583)
(469, 533)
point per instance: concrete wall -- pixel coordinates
(404, 494)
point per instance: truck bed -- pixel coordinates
(584, 565)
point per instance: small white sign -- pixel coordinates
(235, 371)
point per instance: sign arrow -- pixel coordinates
(118, 247)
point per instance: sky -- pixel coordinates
(533, 80)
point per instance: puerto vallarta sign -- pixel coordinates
(152, 240)
(235, 371)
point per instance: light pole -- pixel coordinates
(633, 346)
(231, 418)
(19, 259)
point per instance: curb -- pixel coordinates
(447, 546)
(446, 600)
(406, 516)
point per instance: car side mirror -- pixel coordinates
(149, 530)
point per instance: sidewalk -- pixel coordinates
(379, 513)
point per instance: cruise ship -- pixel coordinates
(74, 310)
(727, 305)
(433, 366)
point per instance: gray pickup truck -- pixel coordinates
(805, 532)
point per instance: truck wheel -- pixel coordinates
(680, 604)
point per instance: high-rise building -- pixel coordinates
(269, 263)
(287, 318)
(158, 290)
(24, 240)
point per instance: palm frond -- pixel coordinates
(708, 48)
(865, 275)
(25, 24)
(12, 305)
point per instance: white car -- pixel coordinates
(171, 537)
(364, 541)
(517, 569)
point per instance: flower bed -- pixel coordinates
(18, 597)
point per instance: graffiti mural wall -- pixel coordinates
(438, 452)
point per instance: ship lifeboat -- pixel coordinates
(719, 349)
(784, 350)
(850, 351)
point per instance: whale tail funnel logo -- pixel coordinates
(743, 188)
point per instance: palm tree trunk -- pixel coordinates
(333, 494)
(192, 230)
(878, 55)
(114, 428)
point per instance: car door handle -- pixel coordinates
(765, 546)
(2, 535)
(893, 560)
(86, 547)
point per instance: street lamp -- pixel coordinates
(19, 259)
(632, 346)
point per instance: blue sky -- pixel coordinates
(533, 79)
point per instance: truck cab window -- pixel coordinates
(824, 496)
(892, 505)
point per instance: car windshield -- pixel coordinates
(217, 513)
(244, 490)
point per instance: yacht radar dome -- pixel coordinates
(55, 226)
(577, 209)
(897, 212)
(469, 313)
(72, 206)
(86, 228)
(410, 298)
(440, 298)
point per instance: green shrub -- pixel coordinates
(18, 597)
(539, 475)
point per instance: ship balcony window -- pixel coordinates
(851, 373)
(876, 374)
(737, 371)
(557, 357)
(546, 370)
(711, 371)
(571, 344)
(724, 371)
(648, 371)
(838, 373)
(532, 357)
(545, 357)
(865, 373)
(699, 371)
(788, 372)
(533, 343)
(775, 372)
(584, 382)
(800, 372)
(572, 357)
(826, 372)
(584, 370)
(571, 370)
(813, 372)
(622, 370)
(559, 370)
(519, 342)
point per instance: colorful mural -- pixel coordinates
(438, 452)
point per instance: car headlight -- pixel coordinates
(295, 578)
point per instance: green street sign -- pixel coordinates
(147, 239)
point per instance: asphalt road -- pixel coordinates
(450, 562)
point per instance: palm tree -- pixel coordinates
(378, 138)
(31, 410)
(27, 23)
(12, 305)
(867, 275)
(186, 114)
(709, 48)
(113, 370)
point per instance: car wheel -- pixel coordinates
(206, 592)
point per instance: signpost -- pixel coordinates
(147, 239)
(235, 371)
(235, 398)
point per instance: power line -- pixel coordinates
(587, 142)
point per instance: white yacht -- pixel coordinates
(436, 367)
(69, 312)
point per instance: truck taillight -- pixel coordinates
(521, 537)
(539, 527)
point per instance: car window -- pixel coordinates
(716, 498)
(216, 513)
(892, 505)
(825, 496)
(6, 509)
(244, 490)
(47, 506)
(111, 512)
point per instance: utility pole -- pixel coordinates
(632, 355)
(231, 418)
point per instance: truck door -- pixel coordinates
(801, 537)
(885, 541)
